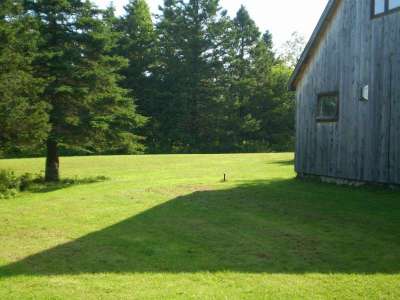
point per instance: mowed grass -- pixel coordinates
(167, 227)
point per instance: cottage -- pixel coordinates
(347, 85)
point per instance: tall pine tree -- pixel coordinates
(192, 36)
(247, 37)
(137, 44)
(23, 116)
(243, 81)
(272, 105)
(88, 108)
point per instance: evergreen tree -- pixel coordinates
(272, 104)
(263, 107)
(282, 138)
(23, 116)
(191, 66)
(262, 96)
(247, 37)
(243, 81)
(137, 44)
(71, 75)
(268, 40)
(88, 108)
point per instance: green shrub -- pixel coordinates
(26, 180)
(9, 184)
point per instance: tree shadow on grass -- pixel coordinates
(283, 226)
(289, 162)
(39, 186)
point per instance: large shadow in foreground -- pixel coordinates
(285, 226)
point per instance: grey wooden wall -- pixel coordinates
(365, 142)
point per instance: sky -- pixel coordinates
(281, 17)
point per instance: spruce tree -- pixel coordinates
(89, 110)
(243, 81)
(268, 40)
(271, 105)
(137, 44)
(247, 37)
(191, 67)
(23, 116)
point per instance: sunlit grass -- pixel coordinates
(165, 227)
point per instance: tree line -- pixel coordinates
(76, 79)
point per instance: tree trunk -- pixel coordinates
(52, 162)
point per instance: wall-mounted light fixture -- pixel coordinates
(365, 93)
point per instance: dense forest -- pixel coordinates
(76, 79)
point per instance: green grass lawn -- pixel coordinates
(167, 227)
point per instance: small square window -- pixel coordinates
(328, 107)
(382, 7)
(394, 4)
(379, 7)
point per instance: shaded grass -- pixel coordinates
(250, 228)
(166, 227)
(40, 186)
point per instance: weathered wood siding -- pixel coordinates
(354, 51)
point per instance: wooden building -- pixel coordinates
(348, 94)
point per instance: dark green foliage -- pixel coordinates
(80, 80)
(89, 109)
(189, 105)
(213, 84)
(268, 40)
(137, 44)
(38, 184)
(243, 81)
(247, 37)
(23, 115)
(262, 108)
(9, 184)
(87, 103)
